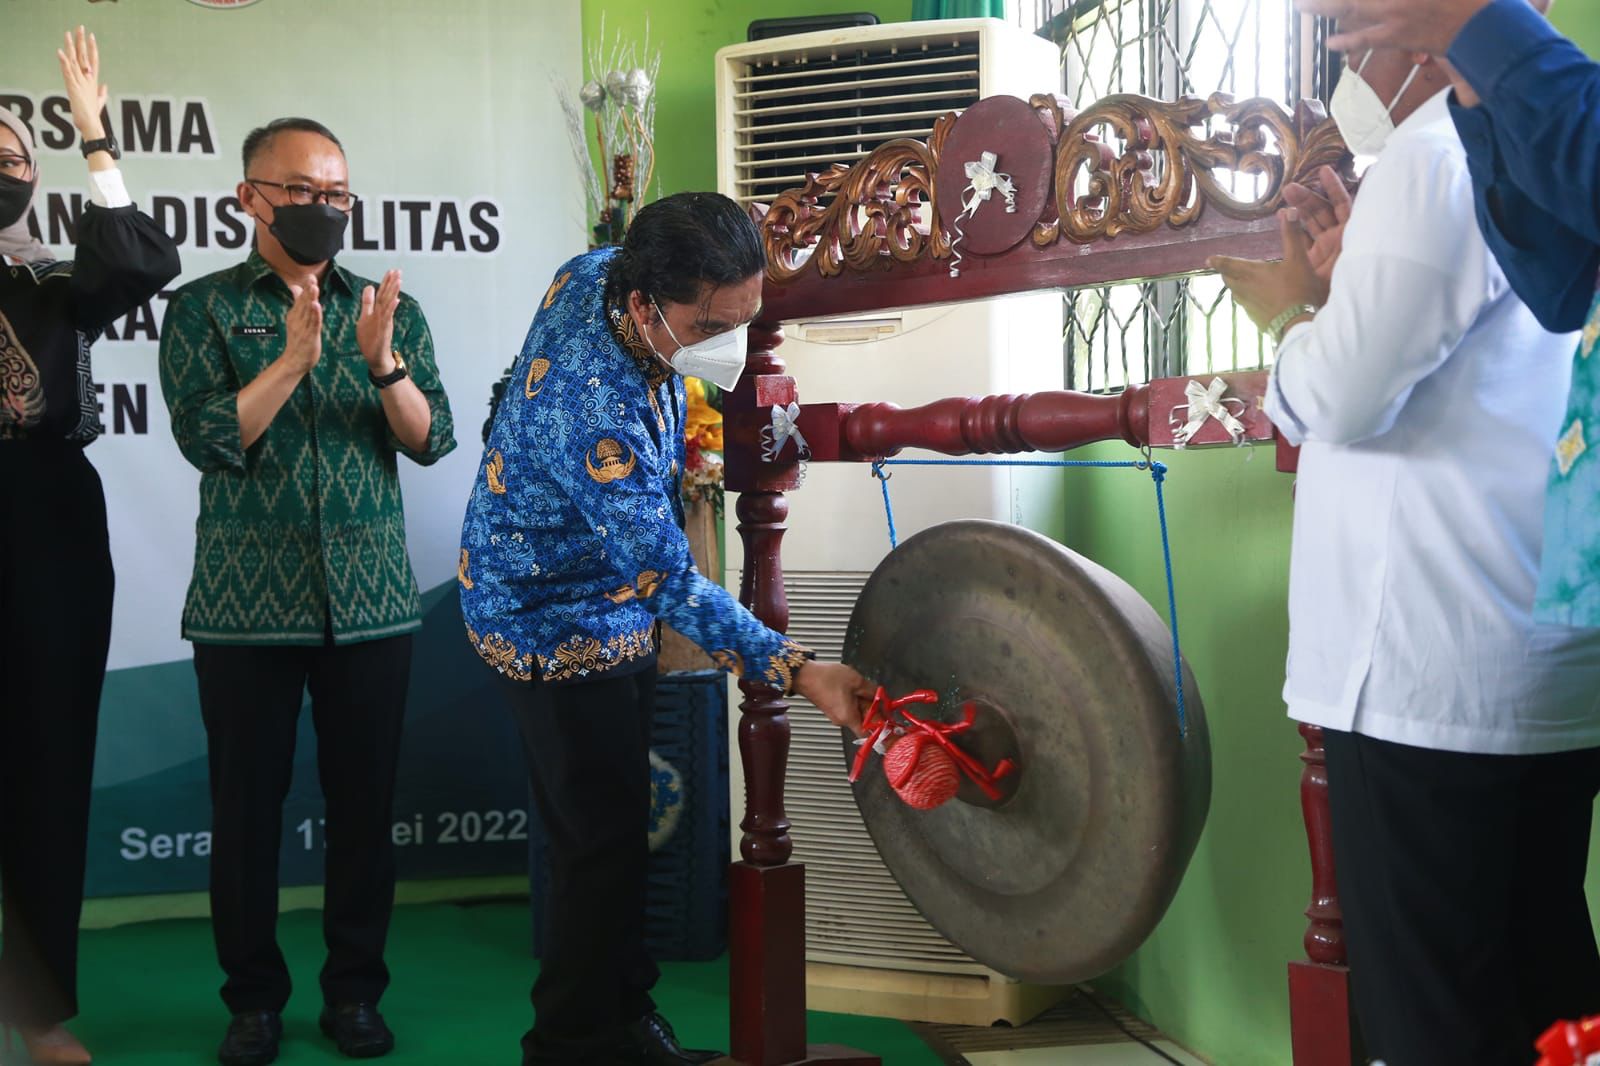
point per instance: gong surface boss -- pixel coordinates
(1072, 676)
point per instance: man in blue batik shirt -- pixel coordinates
(573, 549)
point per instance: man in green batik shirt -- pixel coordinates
(292, 385)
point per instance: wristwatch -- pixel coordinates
(1276, 327)
(107, 143)
(399, 373)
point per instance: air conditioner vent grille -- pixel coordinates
(855, 911)
(796, 114)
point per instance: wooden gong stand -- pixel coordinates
(1090, 209)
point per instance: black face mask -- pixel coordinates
(15, 195)
(310, 233)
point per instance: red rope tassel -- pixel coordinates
(923, 765)
(1570, 1043)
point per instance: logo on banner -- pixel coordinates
(224, 3)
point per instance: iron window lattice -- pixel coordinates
(1126, 334)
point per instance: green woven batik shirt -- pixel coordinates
(305, 527)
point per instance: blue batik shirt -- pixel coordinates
(573, 546)
(1533, 147)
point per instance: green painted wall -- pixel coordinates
(1580, 20)
(1212, 975)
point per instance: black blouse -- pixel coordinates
(51, 311)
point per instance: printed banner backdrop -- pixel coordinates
(457, 147)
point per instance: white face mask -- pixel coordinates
(719, 359)
(1363, 121)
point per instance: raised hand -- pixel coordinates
(1323, 217)
(1412, 25)
(80, 72)
(375, 326)
(302, 341)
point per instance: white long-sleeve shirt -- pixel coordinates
(1428, 401)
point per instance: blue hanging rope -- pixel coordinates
(888, 508)
(1158, 474)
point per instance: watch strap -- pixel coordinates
(399, 373)
(107, 143)
(1276, 327)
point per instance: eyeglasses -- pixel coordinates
(10, 161)
(301, 195)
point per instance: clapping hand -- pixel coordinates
(375, 326)
(1323, 217)
(1266, 290)
(302, 345)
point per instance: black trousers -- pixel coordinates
(1461, 878)
(55, 630)
(588, 749)
(250, 698)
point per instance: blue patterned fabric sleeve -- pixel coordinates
(592, 436)
(1544, 96)
(1534, 149)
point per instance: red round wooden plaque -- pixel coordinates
(1008, 127)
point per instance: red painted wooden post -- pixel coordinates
(1042, 421)
(767, 971)
(1321, 1015)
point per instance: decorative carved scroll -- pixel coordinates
(883, 209)
(875, 211)
(1122, 193)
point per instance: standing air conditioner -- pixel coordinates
(795, 104)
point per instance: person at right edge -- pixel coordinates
(573, 549)
(1462, 736)
(1526, 105)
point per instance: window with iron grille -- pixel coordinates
(1127, 334)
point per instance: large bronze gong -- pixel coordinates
(1071, 672)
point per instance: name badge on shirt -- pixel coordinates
(255, 331)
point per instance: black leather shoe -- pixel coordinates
(252, 1038)
(358, 1029)
(657, 1044)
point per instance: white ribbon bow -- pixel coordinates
(785, 427)
(1207, 402)
(880, 744)
(983, 181)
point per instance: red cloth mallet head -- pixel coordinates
(921, 771)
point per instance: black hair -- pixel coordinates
(674, 247)
(260, 138)
(677, 245)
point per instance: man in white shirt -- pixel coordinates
(1463, 741)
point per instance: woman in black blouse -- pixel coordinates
(55, 556)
